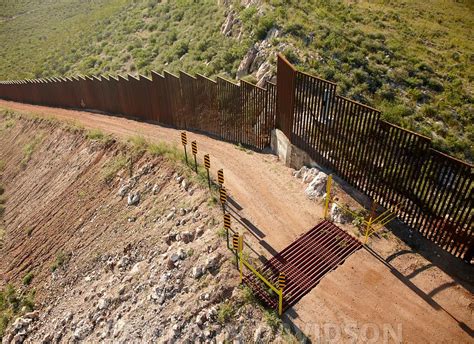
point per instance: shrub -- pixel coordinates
(295, 29)
(272, 320)
(291, 56)
(394, 113)
(181, 48)
(97, 135)
(60, 260)
(225, 312)
(434, 85)
(114, 165)
(386, 93)
(265, 23)
(29, 149)
(28, 278)
(11, 305)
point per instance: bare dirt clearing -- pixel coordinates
(361, 290)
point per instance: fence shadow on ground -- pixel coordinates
(455, 267)
(428, 298)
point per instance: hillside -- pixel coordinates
(97, 267)
(411, 59)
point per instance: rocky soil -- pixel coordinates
(124, 245)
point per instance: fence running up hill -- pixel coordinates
(392, 165)
(389, 164)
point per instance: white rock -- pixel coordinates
(199, 231)
(118, 327)
(123, 190)
(201, 319)
(103, 303)
(338, 215)
(174, 257)
(123, 262)
(185, 184)
(82, 330)
(317, 187)
(181, 253)
(259, 334)
(309, 174)
(301, 172)
(138, 268)
(133, 198)
(32, 315)
(170, 216)
(211, 262)
(156, 189)
(246, 62)
(197, 271)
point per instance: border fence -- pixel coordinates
(237, 113)
(393, 166)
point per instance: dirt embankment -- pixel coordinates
(108, 265)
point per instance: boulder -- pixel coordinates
(246, 62)
(187, 237)
(338, 215)
(310, 174)
(197, 271)
(317, 187)
(133, 198)
(123, 190)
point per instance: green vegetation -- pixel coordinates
(29, 149)
(248, 295)
(272, 319)
(97, 135)
(411, 59)
(212, 201)
(29, 231)
(222, 232)
(14, 304)
(226, 310)
(61, 259)
(114, 165)
(115, 36)
(28, 278)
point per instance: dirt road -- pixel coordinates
(362, 291)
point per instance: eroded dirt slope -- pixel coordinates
(106, 270)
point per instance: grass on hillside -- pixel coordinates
(411, 59)
(115, 36)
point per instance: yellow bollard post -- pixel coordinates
(281, 286)
(241, 268)
(280, 302)
(367, 230)
(241, 265)
(328, 196)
